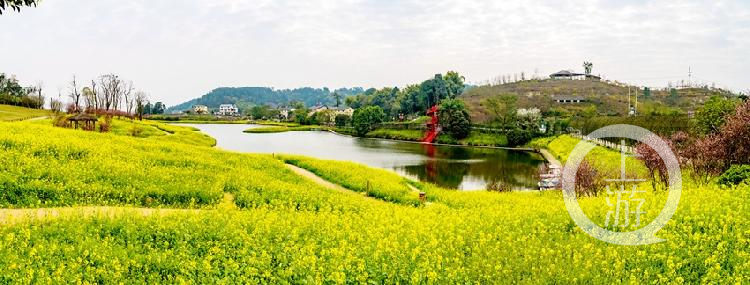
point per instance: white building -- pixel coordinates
(285, 113)
(200, 109)
(228, 110)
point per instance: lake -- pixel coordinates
(465, 168)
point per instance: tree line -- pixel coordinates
(12, 93)
(107, 94)
(412, 99)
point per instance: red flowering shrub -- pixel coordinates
(657, 169)
(589, 182)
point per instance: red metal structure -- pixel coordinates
(433, 129)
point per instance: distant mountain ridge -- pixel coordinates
(245, 97)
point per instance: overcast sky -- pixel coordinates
(178, 50)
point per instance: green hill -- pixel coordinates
(609, 98)
(248, 96)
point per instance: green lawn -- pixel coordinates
(475, 138)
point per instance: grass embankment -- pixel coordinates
(15, 113)
(290, 230)
(475, 138)
(237, 122)
(272, 123)
(606, 160)
(281, 129)
(197, 119)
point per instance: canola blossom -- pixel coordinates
(287, 229)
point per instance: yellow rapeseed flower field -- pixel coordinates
(286, 229)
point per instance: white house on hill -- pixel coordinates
(228, 110)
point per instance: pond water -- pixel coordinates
(465, 168)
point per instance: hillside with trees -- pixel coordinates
(246, 97)
(602, 98)
(12, 93)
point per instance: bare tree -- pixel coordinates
(75, 95)
(111, 91)
(140, 99)
(39, 95)
(92, 96)
(127, 93)
(56, 104)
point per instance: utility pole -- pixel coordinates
(628, 112)
(690, 76)
(635, 111)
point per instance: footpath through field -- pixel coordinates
(322, 182)
(333, 186)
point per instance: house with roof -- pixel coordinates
(200, 109)
(344, 111)
(228, 110)
(570, 75)
(565, 99)
(316, 109)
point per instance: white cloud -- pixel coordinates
(181, 49)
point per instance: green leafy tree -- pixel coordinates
(297, 105)
(300, 116)
(148, 109)
(16, 5)
(325, 117)
(454, 83)
(366, 119)
(454, 118)
(260, 111)
(712, 116)
(502, 109)
(589, 111)
(411, 101)
(385, 99)
(337, 96)
(440, 90)
(358, 101)
(158, 108)
(646, 92)
(342, 120)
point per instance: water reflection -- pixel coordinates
(453, 167)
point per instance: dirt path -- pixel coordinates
(36, 118)
(550, 158)
(317, 179)
(325, 183)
